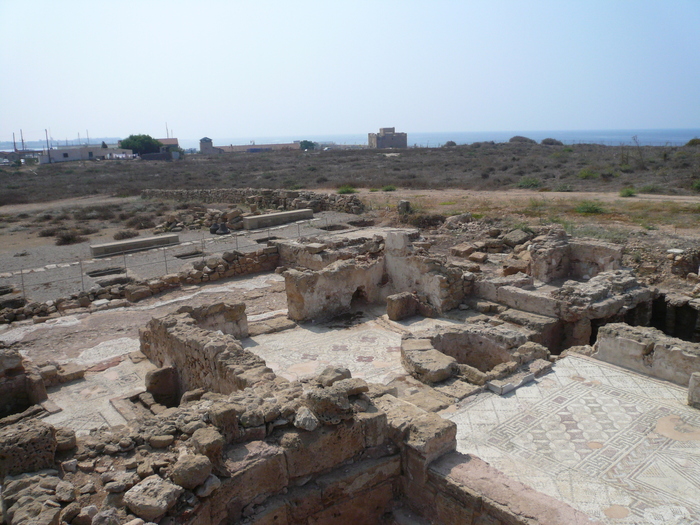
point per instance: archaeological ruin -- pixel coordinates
(358, 376)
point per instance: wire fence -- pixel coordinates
(63, 279)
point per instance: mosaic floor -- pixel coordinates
(623, 448)
(85, 403)
(368, 350)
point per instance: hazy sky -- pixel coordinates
(273, 68)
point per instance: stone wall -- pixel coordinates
(264, 198)
(554, 257)
(438, 287)
(203, 358)
(207, 269)
(648, 351)
(20, 385)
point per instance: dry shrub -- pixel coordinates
(69, 237)
(125, 234)
(141, 222)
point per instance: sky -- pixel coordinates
(273, 68)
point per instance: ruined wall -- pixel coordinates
(648, 351)
(265, 198)
(556, 257)
(202, 358)
(437, 286)
(317, 295)
(20, 387)
(207, 269)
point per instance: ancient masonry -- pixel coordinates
(216, 436)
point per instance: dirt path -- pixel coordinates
(450, 194)
(95, 200)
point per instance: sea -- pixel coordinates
(608, 137)
(615, 137)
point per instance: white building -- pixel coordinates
(83, 153)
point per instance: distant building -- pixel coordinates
(83, 153)
(206, 147)
(169, 142)
(387, 138)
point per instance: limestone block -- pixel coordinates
(26, 446)
(256, 469)
(462, 250)
(209, 442)
(516, 237)
(478, 257)
(429, 366)
(152, 497)
(513, 266)
(694, 390)
(311, 452)
(135, 292)
(332, 374)
(342, 484)
(401, 306)
(191, 471)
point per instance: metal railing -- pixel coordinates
(63, 279)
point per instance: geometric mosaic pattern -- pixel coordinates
(619, 446)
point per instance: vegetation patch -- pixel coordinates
(529, 183)
(627, 192)
(125, 234)
(346, 189)
(589, 207)
(69, 237)
(587, 174)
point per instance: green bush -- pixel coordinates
(564, 188)
(650, 188)
(589, 207)
(693, 142)
(627, 192)
(587, 174)
(389, 187)
(529, 183)
(346, 189)
(695, 186)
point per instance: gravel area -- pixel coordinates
(47, 272)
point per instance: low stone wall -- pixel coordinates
(265, 198)
(202, 358)
(212, 268)
(648, 351)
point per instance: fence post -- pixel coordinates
(21, 276)
(124, 255)
(82, 280)
(165, 258)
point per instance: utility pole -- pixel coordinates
(14, 142)
(48, 147)
(21, 135)
(88, 137)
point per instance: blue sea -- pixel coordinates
(647, 137)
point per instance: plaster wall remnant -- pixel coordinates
(556, 257)
(648, 351)
(330, 291)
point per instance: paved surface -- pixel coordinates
(69, 266)
(621, 447)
